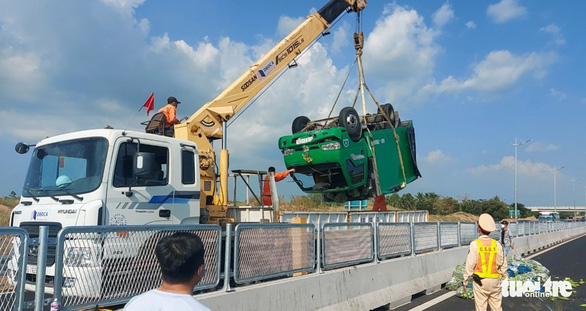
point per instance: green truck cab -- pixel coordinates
(351, 157)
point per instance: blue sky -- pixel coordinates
(472, 75)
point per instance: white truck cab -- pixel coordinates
(110, 177)
(107, 177)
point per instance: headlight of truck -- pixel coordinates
(287, 152)
(78, 257)
(330, 146)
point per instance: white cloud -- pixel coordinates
(557, 94)
(471, 25)
(524, 168)
(400, 50)
(541, 147)
(287, 24)
(443, 15)
(505, 11)
(341, 37)
(437, 157)
(498, 71)
(555, 31)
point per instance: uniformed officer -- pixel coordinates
(487, 265)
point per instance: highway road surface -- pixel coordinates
(564, 260)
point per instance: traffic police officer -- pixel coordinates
(487, 264)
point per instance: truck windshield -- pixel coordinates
(66, 168)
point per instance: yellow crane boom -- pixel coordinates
(205, 125)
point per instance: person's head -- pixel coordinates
(181, 257)
(173, 101)
(486, 224)
(272, 169)
(505, 224)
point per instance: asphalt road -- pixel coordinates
(567, 260)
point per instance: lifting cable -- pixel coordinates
(358, 45)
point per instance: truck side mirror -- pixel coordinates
(22, 148)
(144, 164)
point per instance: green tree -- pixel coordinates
(393, 200)
(407, 202)
(471, 207)
(496, 208)
(445, 206)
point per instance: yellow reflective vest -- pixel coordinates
(486, 265)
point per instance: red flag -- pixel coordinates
(150, 103)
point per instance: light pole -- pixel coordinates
(573, 180)
(517, 144)
(555, 203)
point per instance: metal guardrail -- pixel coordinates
(411, 216)
(468, 232)
(13, 256)
(373, 216)
(110, 264)
(449, 234)
(347, 244)
(425, 237)
(393, 240)
(314, 217)
(265, 251)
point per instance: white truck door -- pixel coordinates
(133, 200)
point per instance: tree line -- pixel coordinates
(442, 205)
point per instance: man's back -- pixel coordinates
(164, 301)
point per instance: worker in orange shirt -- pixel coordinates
(266, 189)
(170, 111)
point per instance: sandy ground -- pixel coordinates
(5, 209)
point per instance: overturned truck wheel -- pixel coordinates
(351, 122)
(299, 124)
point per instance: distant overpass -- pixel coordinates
(557, 208)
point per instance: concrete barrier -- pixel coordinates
(368, 286)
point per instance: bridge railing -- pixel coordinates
(108, 265)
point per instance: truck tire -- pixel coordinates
(299, 124)
(393, 116)
(351, 122)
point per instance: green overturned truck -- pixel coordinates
(352, 157)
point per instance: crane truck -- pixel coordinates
(120, 177)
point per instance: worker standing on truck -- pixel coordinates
(170, 111)
(181, 258)
(266, 189)
(487, 264)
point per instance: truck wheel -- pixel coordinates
(351, 122)
(390, 112)
(299, 124)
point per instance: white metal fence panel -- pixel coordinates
(13, 256)
(394, 239)
(347, 244)
(449, 235)
(264, 251)
(315, 217)
(468, 232)
(373, 216)
(113, 263)
(411, 216)
(513, 228)
(425, 237)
